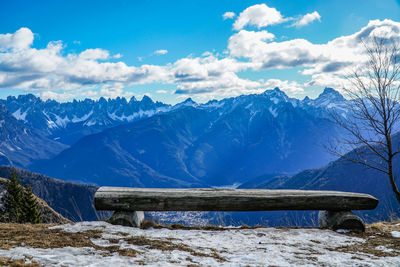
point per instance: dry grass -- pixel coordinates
(376, 235)
(40, 236)
(16, 263)
(168, 245)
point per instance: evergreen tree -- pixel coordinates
(30, 209)
(13, 200)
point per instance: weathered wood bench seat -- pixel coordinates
(335, 207)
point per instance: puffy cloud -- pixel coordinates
(160, 52)
(307, 19)
(112, 90)
(161, 91)
(292, 53)
(333, 56)
(287, 86)
(209, 76)
(61, 97)
(258, 15)
(94, 54)
(326, 63)
(107, 91)
(39, 69)
(247, 43)
(228, 15)
(207, 67)
(21, 39)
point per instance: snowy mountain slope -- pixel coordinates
(21, 145)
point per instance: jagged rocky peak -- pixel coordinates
(276, 95)
(189, 101)
(132, 100)
(331, 94)
(146, 99)
(27, 97)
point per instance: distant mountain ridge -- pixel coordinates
(68, 122)
(216, 143)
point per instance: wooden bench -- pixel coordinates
(335, 207)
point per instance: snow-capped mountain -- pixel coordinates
(68, 122)
(21, 145)
(216, 143)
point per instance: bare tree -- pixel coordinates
(374, 110)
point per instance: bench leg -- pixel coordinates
(340, 220)
(127, 218)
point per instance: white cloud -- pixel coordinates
(111, 90)
(228, 15)
(307, 19)
(258, 15)
(21, 39)
(326, 63)
(107, 91)
(292, 87)
(61, 97)
(94, 54)
(333, 56)
(160, 52)
(50, 71)
(161, 91)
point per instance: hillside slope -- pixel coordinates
(73, 201)
(343, 175)
(48, 214)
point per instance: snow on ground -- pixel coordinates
(396, 234)
(232, 247)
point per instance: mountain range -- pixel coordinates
(212, 144)
(147, 143)
(68, 122)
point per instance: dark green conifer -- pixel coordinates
(13, 200)
(30, 209)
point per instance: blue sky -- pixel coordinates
(130, 33)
